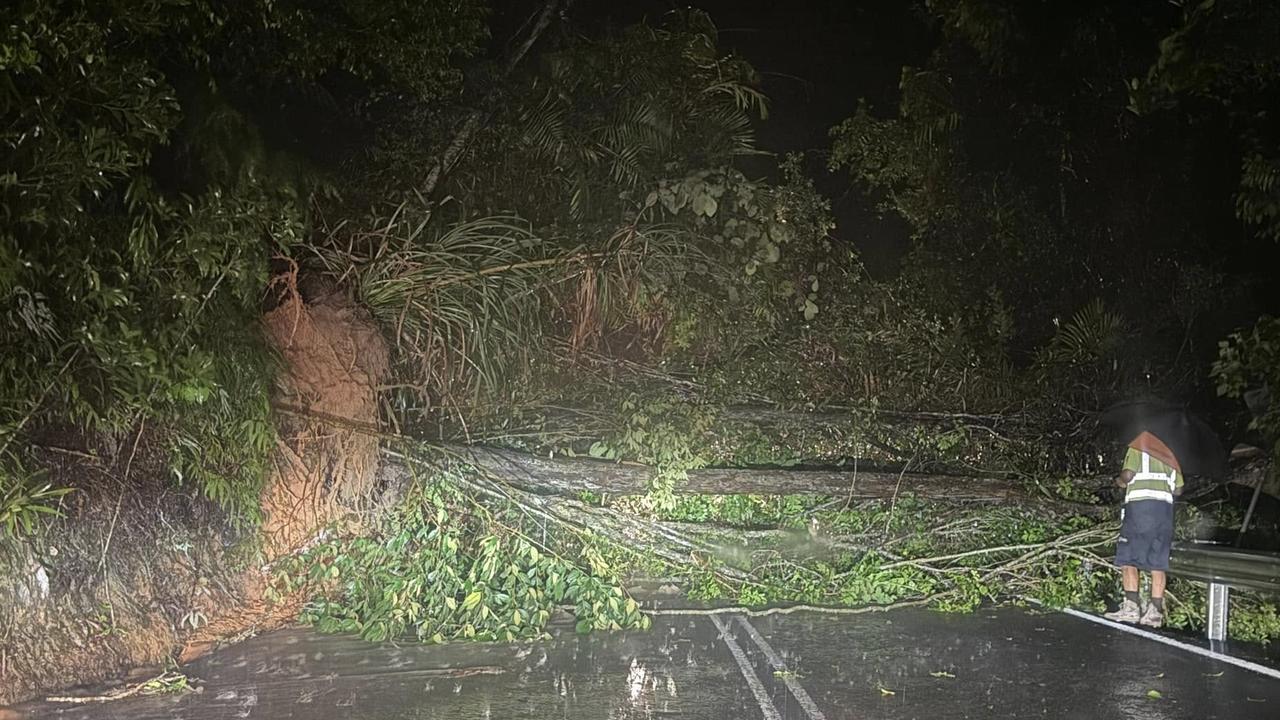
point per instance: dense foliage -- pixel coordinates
(1248, 367)
(445, 567)
(141, 204)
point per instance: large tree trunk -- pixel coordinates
(567, 476)
(570, 476)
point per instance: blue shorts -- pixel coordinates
(1145, 535)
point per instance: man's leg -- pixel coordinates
(1130, 611)
(1129, 579)
(1158, 562)
(1157, 588)
(1130, 553)
(1154, 614)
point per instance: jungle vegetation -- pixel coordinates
(562, 234)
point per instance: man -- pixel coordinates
(1151, 478)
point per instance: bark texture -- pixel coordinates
(567, 476)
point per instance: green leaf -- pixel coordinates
(771, 253)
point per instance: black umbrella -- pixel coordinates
(1196, 444)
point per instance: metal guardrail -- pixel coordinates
(1224, 568)
(1225, 565)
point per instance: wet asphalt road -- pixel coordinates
(1003, 663)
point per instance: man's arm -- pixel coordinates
(1124, 478)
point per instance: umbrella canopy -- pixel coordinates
(1196, 444)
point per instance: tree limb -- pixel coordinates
(477, 117)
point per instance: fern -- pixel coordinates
(1091, 334)
(1258, 199)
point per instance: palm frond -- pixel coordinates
(544, 125)
(1092, 333)
(469, 304)
(455, 301)
(745, 97)
(729, 129)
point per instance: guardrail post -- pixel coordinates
(1218, 605)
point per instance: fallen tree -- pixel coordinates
(939, 443)
(575, 475)
(570, 476)
(964, 541)
(954, 560)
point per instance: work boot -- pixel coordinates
(1128, 613)
(1152, 617)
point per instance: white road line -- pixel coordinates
(1204, 652)
(796, 689)
(748, 673)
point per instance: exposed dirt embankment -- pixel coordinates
(334, 360)
(141, 568)
(134, 565)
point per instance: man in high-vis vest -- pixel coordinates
(1151, 479)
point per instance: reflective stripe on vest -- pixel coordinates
(1149, 495)
(1170, 481)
